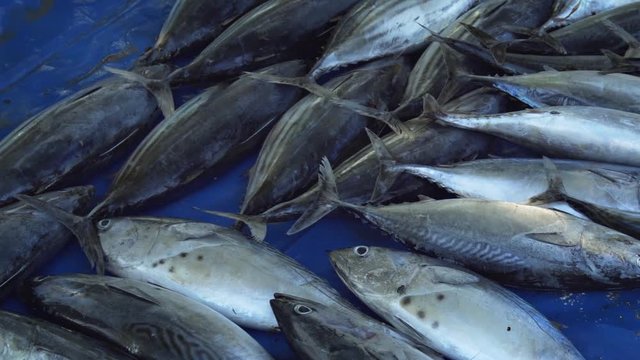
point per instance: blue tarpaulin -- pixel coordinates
(52, 48)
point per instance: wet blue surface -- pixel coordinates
(49, 49)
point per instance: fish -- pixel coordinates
(520, 180)
(76, 134)
(30, 237)
(587, 36)
(517, 245)
(356, 176)
(519, 64)
(621, 219)
(263, 36)
(440, 304)
(315, 127)
(200, 261)
(316, 331)
(374, 29)
(193, 24)
(573, 132)
(568, 88)
(149, 321)
(216, 126)
(566, 12)
(27, 338)
(430, 73)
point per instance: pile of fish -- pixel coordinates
(498, 140)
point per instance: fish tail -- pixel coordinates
(497, 48)
(307, 83)
(555, 190)
(431, 109)
(81, 227)
(458, 74)
(388, 167)
(327, 201)
(160, 89)
(256, 223)
(539, 35)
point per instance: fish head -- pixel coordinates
(59, 295)
(125, 240)
(296, 316)
(370, 270)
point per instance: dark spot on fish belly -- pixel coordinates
(184, 254)
(406, 300)
(440, 297)
(435, 325)
(554, 113)
(508, 328)
(200, 257)
(155, 264)
(161, 262)
(171, 269)
(421, 314)
(401, 290)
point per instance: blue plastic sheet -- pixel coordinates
(51, 48)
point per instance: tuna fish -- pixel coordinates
(75, 134)
(374, 29)
(26, 338)
(265, 35)
(519, 245)
(29, 237)
(193, 24)
(318, 332)
(315, 127)
(147, 320)
(441, 305)
(219, 125)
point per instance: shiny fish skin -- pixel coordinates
(214, 265)
(429, 75)
(75, 134)
(326, 333)
(356, 176)
(261, 37)
(147, 320)
(29, 238)
(449, 308)
(314, 127)
(519, 180)
(568, 11)
(193, 24)
(589, 35)
(31, 339)
(215, 126)
(575, 132)
(560, 88)
(374, 29)
(625, 221)
(519, 245)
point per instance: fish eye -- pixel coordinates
(302, 310)
(104, 224)
(361, 250)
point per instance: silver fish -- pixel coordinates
(561, 88)
(574, 132)
(147, 320)
(29, 237)
(217, 266)
(519, 245)
(374, 29)
(451, 309)
(519, 180)
(32, 339)
(320, 332)
(568, 11)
